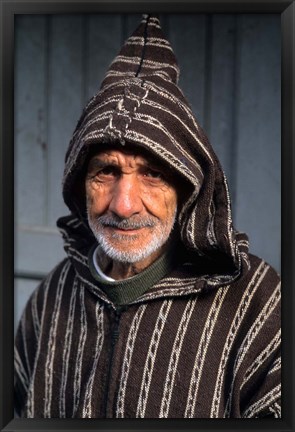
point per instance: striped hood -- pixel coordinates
(140, 103)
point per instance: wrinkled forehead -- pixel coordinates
(143, 156)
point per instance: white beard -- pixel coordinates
(160, 234)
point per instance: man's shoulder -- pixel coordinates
(256, 263)
(56, 277)
(260, 282)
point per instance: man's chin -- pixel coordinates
(128, 252)
(124, 256)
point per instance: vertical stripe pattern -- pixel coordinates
(244, 304)
(88, 403)
(80, 352)
(202, 350)
(257, 326)
(127, 360)
(151, 358)
(52, 343)
(174, 359)
(66, 352)
(30, 404)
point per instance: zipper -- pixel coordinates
(114, 339)
(115, 332)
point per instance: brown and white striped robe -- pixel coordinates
(197, 334)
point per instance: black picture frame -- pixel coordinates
(8, 10)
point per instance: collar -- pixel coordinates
(97, 266)
(125, 291)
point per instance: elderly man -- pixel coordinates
(159, 309)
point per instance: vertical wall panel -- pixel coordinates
(222, 91)
(37, 249)
(129, 22)
(101, 47)
(23, 290)
(258, 147)
(65, 97)
(30, 119)
(187, 34)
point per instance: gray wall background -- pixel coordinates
(230, 73)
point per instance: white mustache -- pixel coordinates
(129, 223)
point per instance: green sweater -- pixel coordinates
(123, 292)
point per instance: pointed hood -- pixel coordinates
(146, 54)
(140, 104)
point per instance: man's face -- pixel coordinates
(131, 204)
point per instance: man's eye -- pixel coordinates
(154, 174)
(106, 173)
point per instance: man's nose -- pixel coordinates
(126, 199)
